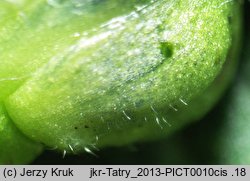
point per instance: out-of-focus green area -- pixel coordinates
(222, 137)
(76, 75)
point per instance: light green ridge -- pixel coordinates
(15, 147)
(122, 81)
(31, 32)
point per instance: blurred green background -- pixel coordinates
(221, 137)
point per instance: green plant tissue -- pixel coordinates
(76, 74)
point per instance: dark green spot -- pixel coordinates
(167, 49)
(160, 28)
(139, 103)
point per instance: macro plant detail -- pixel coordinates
(77, 75)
